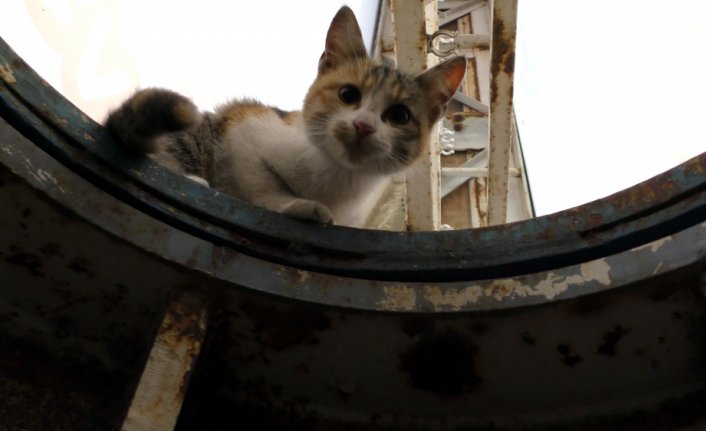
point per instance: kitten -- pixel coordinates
(361, 122)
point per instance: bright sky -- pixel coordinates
(210, 51)
(608, 92)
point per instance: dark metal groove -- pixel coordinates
(661, 206)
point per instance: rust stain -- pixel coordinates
(500, 289)
(398, 297)
(7, 75)
(479, 193)
(442, 364)
(457, 121)
(502, 57)
(66, 391)
(452, 299)
(283, 327)
(639, 201)
(568, 357)
(594, 219)
(185, 322)
(610, 341)
(31, 262)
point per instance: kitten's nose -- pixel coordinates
(362, 128)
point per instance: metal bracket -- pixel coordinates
(444, 43)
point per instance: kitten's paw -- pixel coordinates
(308, 210)
(199, 180)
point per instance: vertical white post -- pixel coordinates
(162, 387)
(502, 67)
(413, 20)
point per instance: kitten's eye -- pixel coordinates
(349, 94)
(397, 114)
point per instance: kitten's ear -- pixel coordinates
(344, 40)
(441, 81)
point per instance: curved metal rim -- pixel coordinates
(656, 208)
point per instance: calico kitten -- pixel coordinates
(361, 122)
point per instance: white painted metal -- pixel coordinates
(459, 11)
(472, 103)
(480, 22)
(445, 5)
(160, 392)
(468, 172)
(413, 20)
(384, 42)
(520, 206)
(449, 183)
(504, 18)
(402, 31)
(473, 133)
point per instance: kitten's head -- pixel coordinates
(368, 116)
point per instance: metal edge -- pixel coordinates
(666, 204)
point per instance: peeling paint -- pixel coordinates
(452, 299)
(654, 245)
(596, 270)
(550, 287)
(6, 75)
(507, 288)
(658, 268)
(43, 177)
(554, 284)
(455, 299)
(303, 276)
(398, 297)
(6, 150)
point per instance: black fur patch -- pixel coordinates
(280, 113)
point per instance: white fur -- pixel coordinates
(262, 144)
(378, 146)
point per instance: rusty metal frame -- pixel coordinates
(374, 265)
(502, 68)
(162, 387)
(412, 21)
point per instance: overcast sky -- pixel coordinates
(608, 92)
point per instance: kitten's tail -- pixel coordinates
(147, 115)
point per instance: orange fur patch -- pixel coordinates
(292, 117)
(236, 113)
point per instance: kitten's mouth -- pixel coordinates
(358, 148)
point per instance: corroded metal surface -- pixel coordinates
(412, 20)
(649, 211)
(606, 361)
(590, 319)
(584, 364)
(533, 287)
(160, 393)
(74, 326)
(502, 69)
